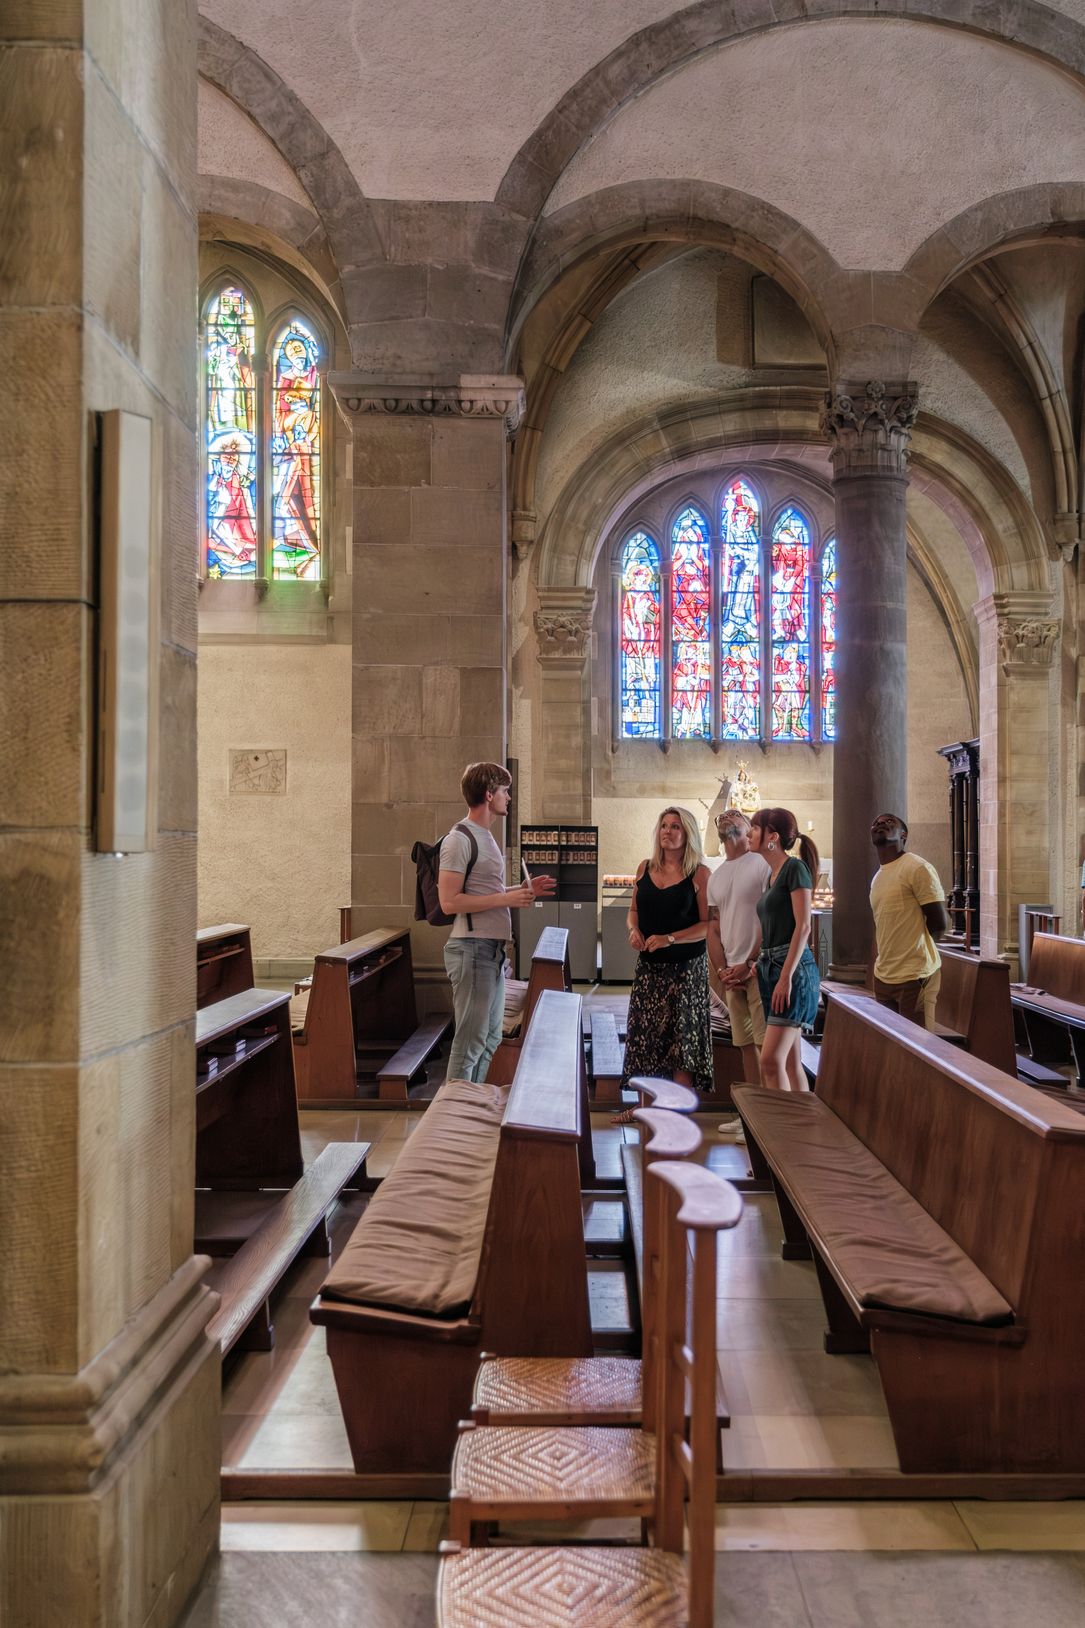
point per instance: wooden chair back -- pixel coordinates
(978, 1150)
(974, 1000)
(660, 1093)
(694, 1206)
(1057, 966)
(663, 1135)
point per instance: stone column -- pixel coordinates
(109, 1386)
(563, 624)
(868, 428)
(429, 686)
(1018, 638)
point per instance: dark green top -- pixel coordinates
(774, 905)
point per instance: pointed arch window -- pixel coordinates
(263, 426)
(641, 658)
(727, 630)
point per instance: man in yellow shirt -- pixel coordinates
(909, 908)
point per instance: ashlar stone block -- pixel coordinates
(44, 739)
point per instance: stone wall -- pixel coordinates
(109, 1395)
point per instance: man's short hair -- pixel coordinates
(480, 778)
(732, 819)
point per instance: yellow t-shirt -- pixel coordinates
(906, 949)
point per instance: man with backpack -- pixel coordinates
(471, 889)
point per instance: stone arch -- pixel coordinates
(1005, 220)
(634, 213)
(262, 219)
(345, 212)
(1003, 536)
(674, 41)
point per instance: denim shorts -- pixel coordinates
(802, 1008)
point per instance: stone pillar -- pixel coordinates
(1018, 638)
(109, 1386)
(868, 428)
(429, 685)
(563, 630)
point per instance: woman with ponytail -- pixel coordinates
(786, 970)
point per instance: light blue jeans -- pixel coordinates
(476, 967)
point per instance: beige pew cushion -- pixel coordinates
(891, 1252)
(417, 1247)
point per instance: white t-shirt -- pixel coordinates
(487, 876)
(734, 889)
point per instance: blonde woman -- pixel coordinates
(668, 1029)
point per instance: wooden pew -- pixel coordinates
(1052, 1004)
(607, 1054)
(942, 1202)
(549, 970)
(223, 962)
(361, 1019)
(973, 1009)
(255, 1201)
(509, 1180)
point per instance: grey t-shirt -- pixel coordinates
(487, 876)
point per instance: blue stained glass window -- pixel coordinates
(230, 435)
(790, 617)
(691, 627)
(740, 614)
(642, 637)
(828, 640)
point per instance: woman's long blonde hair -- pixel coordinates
(693, 854)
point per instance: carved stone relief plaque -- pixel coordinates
(261, 774)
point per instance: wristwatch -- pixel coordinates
(670, 938)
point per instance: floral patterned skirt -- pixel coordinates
(668, 1029)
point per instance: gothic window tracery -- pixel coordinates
(262, 428)
(727, 631)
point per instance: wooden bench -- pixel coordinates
(507, 1186)
(255, 1202)
(973, 1009)
(607, 1057)
(361, 1019)
(1051, 1005)
(549, 970)
(223, 962)
(942, 1202)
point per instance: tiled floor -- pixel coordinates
(809, 1565)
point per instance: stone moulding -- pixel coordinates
(476, 395)
(60, 1433)
(868, 427)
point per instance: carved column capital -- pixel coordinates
(563, 626)
(524, 523)
(475, 395)
(1026, 634)
(868, 427)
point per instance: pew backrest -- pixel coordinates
(223, 962)
(974, 1000)
(1057, 966)
(990, 1159)
(362, 991)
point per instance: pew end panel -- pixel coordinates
(361, 1009)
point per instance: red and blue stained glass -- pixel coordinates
(791, 627)
(642, 637)
(828, 640)
(740, 614)
(295, 453)
(691, 629)
(230, 430)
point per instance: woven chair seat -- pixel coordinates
(525, 1473)
(562, 1588)
(559, 1390)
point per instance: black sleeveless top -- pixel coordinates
(669, 910)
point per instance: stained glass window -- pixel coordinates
(230, 430)
(828, 640)
(642, 637)
(790, 650)
(740, 614)
(295, 452)
(691, 629)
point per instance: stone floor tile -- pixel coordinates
(802, 1442)
(801, 1526)
(330, 1527)
(942, 1590)
(316, 1591)
(427, 1528)
(802, 1382)
(758, 1591)
(285, 1441)
(1025, 1525)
